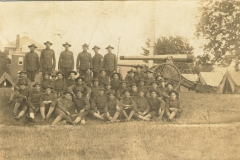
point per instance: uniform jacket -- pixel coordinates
(139, 75)
(31, 62)
(81, 103)
(84, 61)
(95, 91)
(66, 60)
(97, 62)
(88, 79)
(47, 58)
(110, 62)
(103, 80)
(156, 104)
(35, 96)
(115, 84)
(48, 97)
(75, 88)
(60, 85)
(128, 101)
(70, 82)
(64, 104)
(47, 82)
(130, 80)
(99, 102)
(110, 105)
(142, 104)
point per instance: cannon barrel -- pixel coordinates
(130, 65)
(176, 57)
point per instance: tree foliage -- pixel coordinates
(219, 24)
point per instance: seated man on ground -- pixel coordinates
(59, 84)
(63, 109)
(21, 100)
(157, 106)
(128, 105)
(47, 103)
(80, 86)
(82, 108)
(46, 81)
(173, 106)
(142, 106)
(112, 108)
(98, 104)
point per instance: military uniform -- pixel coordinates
(148, 81)
(110, 63)
(110, 106)
(131, 80)
(34, 100)
(63, 106)
(70, 82)
(84, 61)
(103, 80)
(139, 75)
(47, 60)
(88, 79)
(82, 88)
(174, 104)
(97, 62)
(120, 90)
(95, 91)
(142, 105)
(133, 93)
(66, 62)
(45, 83)
(128, 101)
(48, 97)
(98, 104)
(82, 103)
(155, 104)
(60, 86)
(31, 65)
(116, 84)
(20, 98)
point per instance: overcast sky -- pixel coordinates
(98, 23)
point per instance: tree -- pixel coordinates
(219, 24)
(172, 45)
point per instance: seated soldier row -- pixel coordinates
(113, 101)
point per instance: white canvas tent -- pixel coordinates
(230, 83)
(210, 78)
(6, 78)
(191, 77)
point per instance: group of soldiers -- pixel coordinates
(95, 89)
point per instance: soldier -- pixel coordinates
(110, 61)
(142, 106)
(154, 86)
(112, 108)
(108, 88)
(157, 106)
(82, 106)
(71, 80)
(116, 83)
(31, 63)
(139, 74)
(97, 61)
(47, 59)
(134, 90)
(47, 103)
(60, 84)
(128, 105)
(66, 60)
(131, 78)
(95, 88)
(46, 81)
(84, 60)
(22, 78)
(88, 77)
(21, 100)
(149, 78)
(98, 104)
(173, 105)
(53, 77)
(79, 86)
(63, 108)
(103, 79)
(122, 88)
(141, 85)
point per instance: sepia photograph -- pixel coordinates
(120, 80)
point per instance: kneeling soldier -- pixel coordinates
(128, 105)
(21, 100)
(63, 108)
(98, 104)
(112, 107)
(47, 103)
(82, 106)
(157, 106)
(142, 106)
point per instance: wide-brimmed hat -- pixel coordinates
(130, 71)
(32, 45)
(59, 72)
(37, 83)
(141, 80)
(66, 44)
(85, 45)
(68, 92)
(101, 70)
(101, 88)
(95, 79)
(109, 47)
(79, 77)
(168, 84)
(96, 47)
(153, 90)
(22, 72)
(154, 82)
(112, 92)
(88, 68)
(72, 72)
(173, 91)
(116, 74)
(150, 71)
(47, 43)
(124, 91)
(22, 83)
(138, 66)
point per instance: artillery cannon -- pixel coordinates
(171, 73)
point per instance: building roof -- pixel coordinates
(23, 41)
(191, 77)
(211, 78)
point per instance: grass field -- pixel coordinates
(217, 136)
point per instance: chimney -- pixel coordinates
(18, 41)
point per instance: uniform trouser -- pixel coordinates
(47, 70)
(47, 106)
(65, 71)
(31, 75)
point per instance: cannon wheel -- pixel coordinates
(169, 72)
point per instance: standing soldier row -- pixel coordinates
(47, 62)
